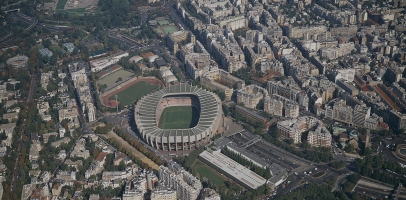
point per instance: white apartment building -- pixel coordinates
(294, 128)
(186, 185)
(320, 137)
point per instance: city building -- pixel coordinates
(281, 106)
(174, 40)
(163, 194)
(251, 95)
(223, 81)
(209, 194)
(101, 63)
(45, 52)
(250, 114)
(175, 177)
(231, 168)
(320, 137)
(69, 46)
(294, 128)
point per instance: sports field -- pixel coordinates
(61, 4)
(111, 79)
(179, 117)
(169, 29)
(133, 92)
(159, 31)
(163, 22)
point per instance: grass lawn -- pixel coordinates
(169, 29)
(61, 4)
(158, 30)
(204, 171)
(179, 117)
(134, 92)
(163, 22)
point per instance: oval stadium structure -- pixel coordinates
(149, 108)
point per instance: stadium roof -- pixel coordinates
(240, 173)
(145, 112)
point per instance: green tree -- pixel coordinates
(3, 135)
(53, 60)
(9, 87)
(47, 43)
(306, 144)
(349, 148)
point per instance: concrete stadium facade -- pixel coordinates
(148, 109)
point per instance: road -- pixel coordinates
(33, 22)
(16, 172)
(387, 152)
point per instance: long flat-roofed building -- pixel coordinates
(226, 165)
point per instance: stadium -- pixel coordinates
(178, 117)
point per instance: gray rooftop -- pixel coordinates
(247, 177)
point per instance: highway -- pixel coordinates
(33, 22)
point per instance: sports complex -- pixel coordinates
(123, 85)
(178, 117)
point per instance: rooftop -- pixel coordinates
(234, 169)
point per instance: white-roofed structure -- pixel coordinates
(152, 58)
(228, 166)
(168, 76)
(149, 108)
(135, 59)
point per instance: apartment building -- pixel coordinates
(294, 128)
(251, 95)
(186, 185)
(223, 81)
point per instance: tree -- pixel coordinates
(9, 87)
(306, 144)
(47, 43)
(119, 79)
(366, 151)
(290, 141)
(3, 136)
(53, 60)
(337, 165)
(275, 133)
(349, 148)
(75, 51)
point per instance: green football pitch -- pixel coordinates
(134, 92)
(179, 117)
